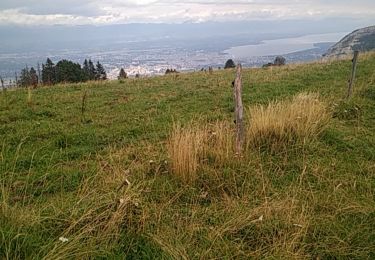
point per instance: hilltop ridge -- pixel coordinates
(362, 40)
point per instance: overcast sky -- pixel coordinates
(79, 12)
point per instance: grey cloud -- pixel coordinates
(46, 7)
(123, 11)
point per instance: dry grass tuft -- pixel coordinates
(278, 125)
(220, 143)
(283, 123)
(186, 149)
(193, 146)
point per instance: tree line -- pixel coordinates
(64, 71)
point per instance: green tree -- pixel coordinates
(91, 70)
(86, 69)
(100, 72)
(69, 72)
(122, 74)
(33, 77)
(25, 78)
(48, 73)
(39, 74)
(230, 64)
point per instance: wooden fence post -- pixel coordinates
(2, 83)
(352, 77)
(238, 109)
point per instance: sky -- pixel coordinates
(103, 12)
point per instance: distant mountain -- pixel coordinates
(361, 40)
(51, 38)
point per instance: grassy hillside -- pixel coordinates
(90, 170)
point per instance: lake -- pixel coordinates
(283, 46)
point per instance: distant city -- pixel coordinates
(152, 61)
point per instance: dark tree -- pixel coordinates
(33, 77)
(122, 74)
(48, 73)
(100, 72)
(16, 78)
(69, 72)
(39, 74)
(91, 70)
(171, 71)
(230, 64)
(279, 61)
(86, 70)
(25, 78)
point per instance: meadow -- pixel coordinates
(145, 168)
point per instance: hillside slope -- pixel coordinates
(362, 40)
(92, 178)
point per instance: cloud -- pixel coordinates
(34, 12)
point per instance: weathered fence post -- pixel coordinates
(238, 109)
(2, 83)
(352, 77)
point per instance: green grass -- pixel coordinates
(103, 179)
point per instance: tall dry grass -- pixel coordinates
(220, 143)
(195, 145)
(282, 123)
(186, 149)
(276, 125)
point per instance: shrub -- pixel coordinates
(122, 74)
(171, 71)
(279, 61)
(229, 64)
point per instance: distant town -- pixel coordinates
(150, 62)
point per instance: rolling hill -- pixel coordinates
(145, 168)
